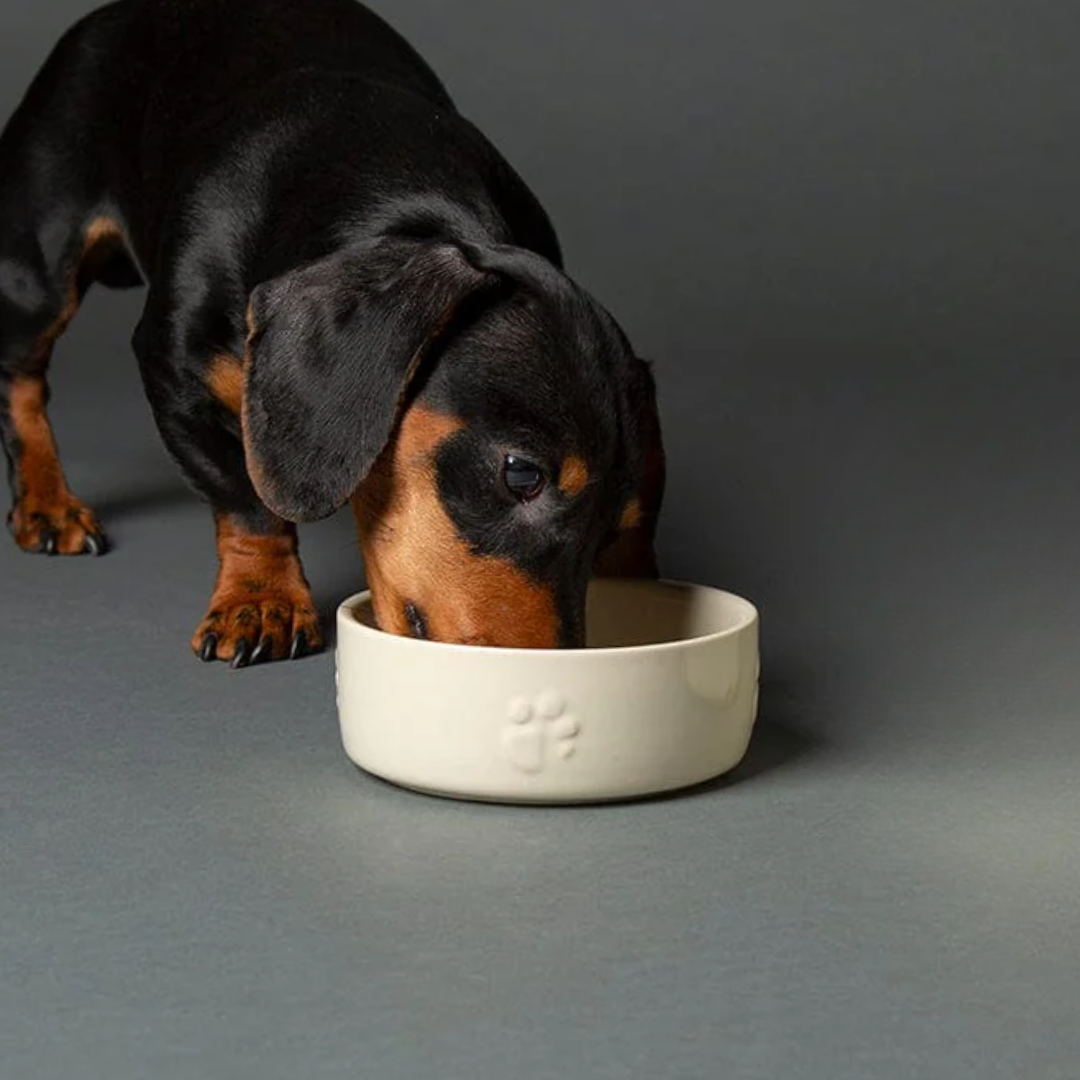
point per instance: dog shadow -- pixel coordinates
(149, 498)
(780, 741)
(781, 738)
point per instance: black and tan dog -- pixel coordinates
(351, 297)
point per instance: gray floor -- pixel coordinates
(196, 882)
(849, 240)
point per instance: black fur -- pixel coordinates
(333, 353)
(295, 162)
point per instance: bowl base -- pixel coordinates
(669, 791)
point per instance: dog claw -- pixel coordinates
(94, 544)
(242, 656)
(48, 542)
(209, 648)
(299, 646)
(263, 650)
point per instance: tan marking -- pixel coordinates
(43, 499)
(38, 465)
(261, 592)
(102, 230)
(573, 476)
(631, 515)
(43, 348)
(225, 381)
(633, 552)
(101, 237)
(413, 553)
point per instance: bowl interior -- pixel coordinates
(623, 614)
(626, 614)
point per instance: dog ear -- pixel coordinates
(333, 348)
(631, 550)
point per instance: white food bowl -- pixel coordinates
(664, 697)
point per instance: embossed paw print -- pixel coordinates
(537, 726)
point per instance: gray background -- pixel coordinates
(847, 233)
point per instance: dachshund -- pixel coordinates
(351, 299)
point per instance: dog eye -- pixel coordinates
(523, 479)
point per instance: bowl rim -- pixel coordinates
(750, 617)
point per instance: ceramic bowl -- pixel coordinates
(663, 697)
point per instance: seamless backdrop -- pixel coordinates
(847, 234)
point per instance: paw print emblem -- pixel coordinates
(537, 728)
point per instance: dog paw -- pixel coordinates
(59, 526)
(253, 627)
(536, 727)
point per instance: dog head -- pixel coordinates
(495, 433)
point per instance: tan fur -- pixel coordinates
(633, 552)
(573, 476)
(43, 499)
(39, 466)
(102, 230)
(413, 553)
(225, 381)
(631, 515)
(261, 592)
(100, 237)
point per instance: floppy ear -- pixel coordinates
(631, 552)
(331, 353)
